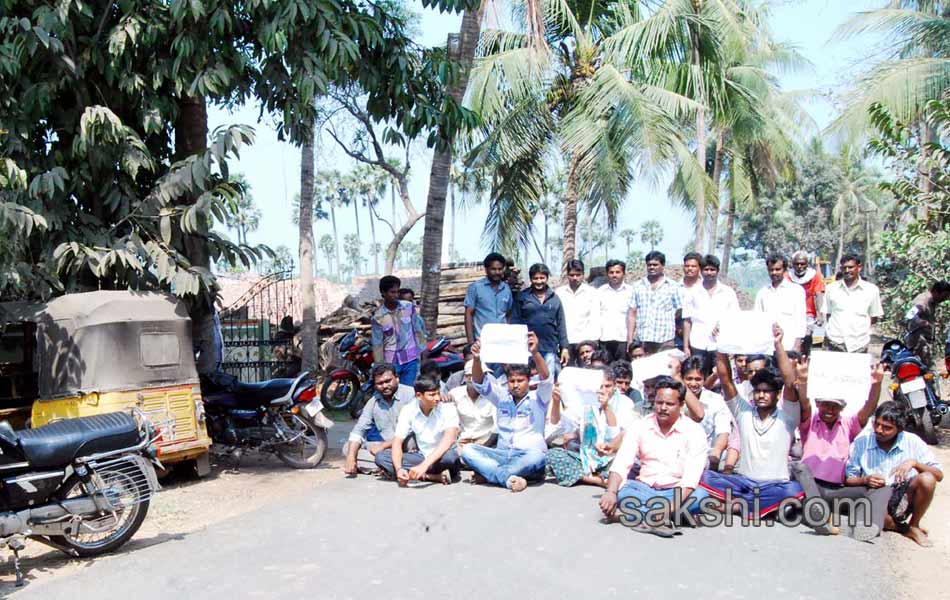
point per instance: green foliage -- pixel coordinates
(102, 102)
(914, 254)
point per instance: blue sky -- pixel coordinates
(273, 167)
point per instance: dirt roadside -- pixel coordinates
(919, 570)
(188, 504)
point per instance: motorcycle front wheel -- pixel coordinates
(308, 448)
(338, 394)
(106, 533)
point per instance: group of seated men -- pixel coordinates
(744, 450)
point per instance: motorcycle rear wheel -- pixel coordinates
(927, 428)
(338, 394)
(129, 519)
(309, 449)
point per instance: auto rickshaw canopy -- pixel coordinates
(107, 341)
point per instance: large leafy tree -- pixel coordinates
(105, 136)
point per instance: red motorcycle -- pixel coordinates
(344, 385)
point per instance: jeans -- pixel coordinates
(644, 493)
(553, 361)
(449, 460)
(497, 465)
(407, 373)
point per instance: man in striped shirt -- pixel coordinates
(900, 461)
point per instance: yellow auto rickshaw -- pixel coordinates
(98, 352)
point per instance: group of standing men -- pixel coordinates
(674, 432)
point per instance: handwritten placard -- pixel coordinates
(655, 365)
(839, 376)
(580, 386)
(504, 344)
(745, 332)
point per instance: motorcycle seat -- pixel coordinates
(57, 444)
(262, 392)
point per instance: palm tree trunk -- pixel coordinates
(545, 255)
(716, 177)
(452, 223)
(336, 236)
(372, 234)
(700, 139)
(841, 234)
(308, 299)
(439, 178)
(730, 229)
(868, 255)
(569, 247)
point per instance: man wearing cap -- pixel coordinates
(476, 413)
(826, 443)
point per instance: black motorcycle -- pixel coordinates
(915, 387)
(283, 416)
(81, 486)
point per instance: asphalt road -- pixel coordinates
(367, 539)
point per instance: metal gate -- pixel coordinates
(258, 331)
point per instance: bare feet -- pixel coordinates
(477, 479)
(920, 536)
(517, 484)
(445, 478)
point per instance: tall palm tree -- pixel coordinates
(856, 185)
(305, 254)
(566, 90)
(629, 236)
(462, 49)
(651, 233)
(329, 186)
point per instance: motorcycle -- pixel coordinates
(81, 486)
(282, 416)
(915, 387)
(344, 385)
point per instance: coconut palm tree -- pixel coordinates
(565, 89)
(857, 184)
(913, 61)
(329, 189)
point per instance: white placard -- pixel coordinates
(580, 387)
(745, 332)
(655, 365)
(839, 376)
(504, 344)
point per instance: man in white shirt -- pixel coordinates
(766, 433)
(581, 305)
(702, 310)
(614, 302)
(435, 425)
(851, 306)
(476, 413)
(784, 301)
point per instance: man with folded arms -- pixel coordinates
(671, 450)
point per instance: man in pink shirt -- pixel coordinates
(671, 449)
(826, 442)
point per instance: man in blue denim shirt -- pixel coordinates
(488, 300)
(540, 309)
(521, 450)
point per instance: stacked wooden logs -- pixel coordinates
(456, 278)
